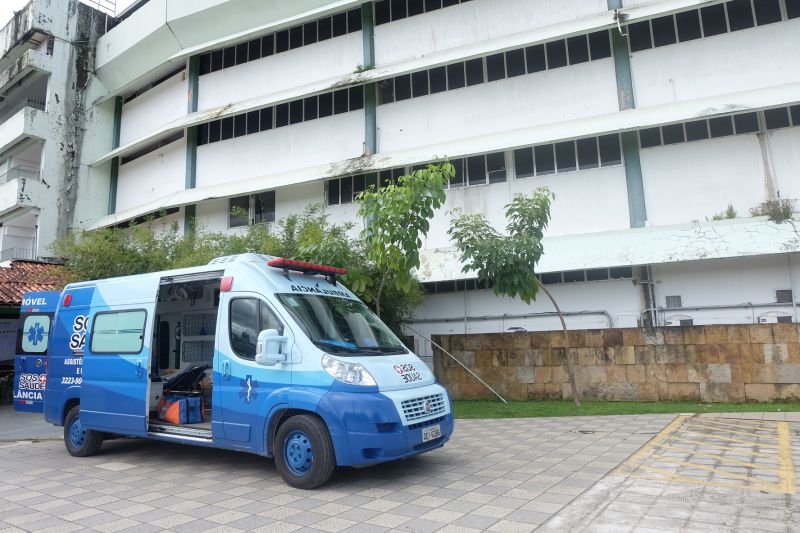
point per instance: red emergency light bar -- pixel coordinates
(305, 268)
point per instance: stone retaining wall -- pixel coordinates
(721, 363)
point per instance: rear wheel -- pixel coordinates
(80, 442)
(304, 453)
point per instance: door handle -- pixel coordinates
(139, 369)
(226, 369)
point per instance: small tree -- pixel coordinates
(397, 217)
(509, 261)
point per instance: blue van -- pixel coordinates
(252, 353)
(36, 317)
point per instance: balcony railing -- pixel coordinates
(35, 103)
(21, 172)
(12, 254)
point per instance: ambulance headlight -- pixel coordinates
(350, 373)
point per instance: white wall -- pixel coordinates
(472, 22)
(503, 105)
(621, 299)
(291, 147)
(163, 103)
(784, 152)
(333, 58)
(152, 176)
(728, 282)
(716, 65)
(695, 180)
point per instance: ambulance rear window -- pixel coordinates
(35, 334)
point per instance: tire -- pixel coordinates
(80, 442)
(304, 453)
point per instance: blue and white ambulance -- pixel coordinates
(250, 353)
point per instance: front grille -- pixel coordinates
(426, 423)
(422, 407)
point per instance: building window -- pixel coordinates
(289, 39)
(741, 123)
(554, 54)
(251, 209)
(391, 10)
(730, 16)
(783, 296)
(294, 112)
(674, 302)
(151, 148)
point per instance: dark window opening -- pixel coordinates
(740, 15)
(556, 54)
(346, 190)
(419, 83)
(296, 112)
(574, 276)
(310, 108)
(295, 37)
(216, 60)
(340, 101)
(455, 76)
(795, 111)
(359, 185)
(402, 87)
(214, 131)
(474, 71)
(767, 11)
(264, 207)
(688, 24)
(383, 13)
(356, 98)
(696, 130)
(339, 24)
(565, 156)
(587, 153)
(202, 134)
(515, 62)
(610, 153)
(620, 272)
(268, 45)
(720, 126)
(398, 9)
(746, 123)
(238, 211)
(226, 125)
(354, 20)
(266, 119)
(239, 125)
(241, 53)
(713, 20)
(432, 5)
(776, 118)
(597, 274)
(578, 49)
(523, 162)
(438, 79)
(324, 29)
(476, 170)
(281, 41)
(649, 137)
(386, 91)
(551, 278)
(496, 167)
(599, 45)
(639, 36)
(793, 8)
(281, 115)
(495, 67)
(325, 105)
(416, 7)
(254, 49)
(205, 64)
(664, 31)
(536, 58)
(229, 57)
(545, 160)
(673, 134)
(333, 192)
(458, 177)
(309, 33)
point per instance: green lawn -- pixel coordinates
(530, 409)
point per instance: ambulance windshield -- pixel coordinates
(341, 326)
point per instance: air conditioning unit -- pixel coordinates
(678, 320)
(775, 317)
(767, 320)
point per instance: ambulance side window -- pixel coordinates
(35, 334)
(118, 332)
(248, 318)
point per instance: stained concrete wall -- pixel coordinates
(719, 363)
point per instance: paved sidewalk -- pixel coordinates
(720, 473)
(498, 475)
(25, 426)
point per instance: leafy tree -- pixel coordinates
(397, 217)
(508, 262)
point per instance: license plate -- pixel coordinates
(431, 432)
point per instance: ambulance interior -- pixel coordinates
(181, 369)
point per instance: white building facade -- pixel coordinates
(645, 117)
(45, 67)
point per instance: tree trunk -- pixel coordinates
(380, 294)
(576, 395)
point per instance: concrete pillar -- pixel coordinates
(370, 89)
(112, 188)
(193, 73)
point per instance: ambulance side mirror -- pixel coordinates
(268, 348)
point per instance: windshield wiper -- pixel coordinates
(389, 349)
(337, 345)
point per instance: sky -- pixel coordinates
(7, 8)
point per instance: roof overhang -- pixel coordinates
(641, 246)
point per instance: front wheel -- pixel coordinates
(80, 442)
(304, 453)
